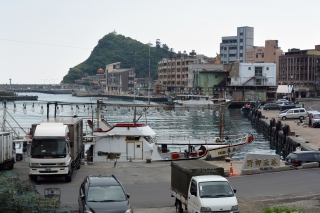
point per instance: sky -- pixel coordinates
(41, 40)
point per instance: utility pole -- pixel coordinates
(149, 75)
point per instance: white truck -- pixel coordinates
(7, 152)
(200, 187)
(56, 147)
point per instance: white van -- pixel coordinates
(300, 113)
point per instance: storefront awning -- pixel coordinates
(284, 89)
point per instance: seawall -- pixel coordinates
(285, 134)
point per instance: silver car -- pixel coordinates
(315, 119)
(300, 113)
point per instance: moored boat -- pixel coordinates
(137, 141)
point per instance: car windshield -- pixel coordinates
(106, 194)
(215, 189)
(48, 147)
(316, 116)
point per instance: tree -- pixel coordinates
(164, 46)
(158, 43)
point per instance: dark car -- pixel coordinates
(271, 106)
(103, 194)
(299, 157)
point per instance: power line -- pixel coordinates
(55, 45)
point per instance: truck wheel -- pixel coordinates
(11, 165)
(179, 207)
(68, 177)
(34, 178)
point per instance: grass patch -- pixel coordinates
(281, 209)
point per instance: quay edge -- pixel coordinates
(281, 133)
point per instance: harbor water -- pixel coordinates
(195, 123)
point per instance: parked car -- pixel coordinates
(300, 113)
(287, 106)
(103, 194)
(131, 92)
(299, 157)
(312, 112)
(271, 106)
(282, 102)
(315, 119)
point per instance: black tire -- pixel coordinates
(34, 178)
(11, 165)
(179, 206)
(68, 177)
(284, 118)
(301, 117)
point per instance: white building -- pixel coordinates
(234, 48)
(255, 74)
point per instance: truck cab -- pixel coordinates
(211, 193)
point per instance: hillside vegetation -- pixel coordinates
(118, 48)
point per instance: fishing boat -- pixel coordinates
(138, 141)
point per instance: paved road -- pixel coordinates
(149, 184)
(278, 185)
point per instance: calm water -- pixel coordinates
(195, 124)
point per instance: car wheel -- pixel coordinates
(301, 117)
(178, 207)
(284, 118)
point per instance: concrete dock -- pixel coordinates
(307, 136)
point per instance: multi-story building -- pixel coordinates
(268, 54)
(118, 80)
(301, 68)
(234, 48)
(189, 74)
(203, 77)
(173, 72)
(252, 81)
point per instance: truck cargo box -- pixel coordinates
(183, 171)
(6, 150)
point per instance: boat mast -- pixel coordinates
(222, 107)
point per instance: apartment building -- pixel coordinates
(234, 48)
(301, 68)
(173, 72)
(268, 54)
(119, 80)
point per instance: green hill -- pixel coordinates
(118, 48)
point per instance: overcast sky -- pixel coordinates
(40, 40)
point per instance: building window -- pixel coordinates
(267, 68)
(241, 47)
(249, 68)
(257, 55)
(241, 33)
(262, 55)
(241, 54)
(241, 40)
(274, 53)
